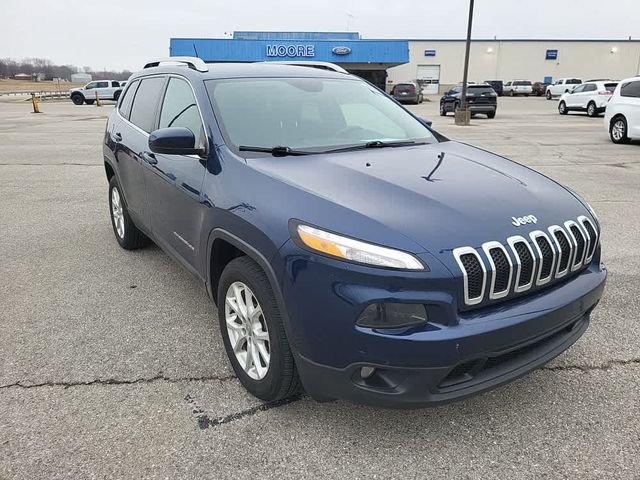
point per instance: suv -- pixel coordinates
(562, 85)
(622, 115)
(481, 98)
(106, 90)
(518, 87)
(591, 97)
(349, 248)
(497, 85)
(539, 88)
(407, 92)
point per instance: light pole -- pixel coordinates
(463, 116)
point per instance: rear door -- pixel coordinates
(588, 93)
(630, 98)
(174, 182)
(103, 89)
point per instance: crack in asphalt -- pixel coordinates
(115, 381)
(587, 368)
(204, 421)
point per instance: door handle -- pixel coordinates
(148, 157)
(117, 137)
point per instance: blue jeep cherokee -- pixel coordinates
(350, 249)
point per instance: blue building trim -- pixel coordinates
(388, 52)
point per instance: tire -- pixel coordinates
(526, 94)
(592, 111)
(491, 115)
(618, 130)
(116, 95)
(443, 110)
(89, 102)
(243, 278)
(549, 96)
(562, 108)
(511, 94)
(77, 99)
(127, 234)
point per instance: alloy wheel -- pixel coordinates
(116, 212)
(618, 130)
(247, 330)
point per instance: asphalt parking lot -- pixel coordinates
(113, 367)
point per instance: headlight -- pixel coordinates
(355, 250)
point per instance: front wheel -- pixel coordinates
(618, 130)
(562, 108)
(549, 96)
(491, 114)
(77, 99)
(443, 111)
(116, 96)
(253, 332)
(592, 111)
(127, 234)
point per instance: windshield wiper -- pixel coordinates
(376, 144)
(278, 151)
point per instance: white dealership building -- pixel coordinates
(438, 64)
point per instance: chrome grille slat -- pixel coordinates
(563, 248)
(458, 254)
(537, 235)
(592, 236)
(579, 241)
(498, 273)
(518, 285)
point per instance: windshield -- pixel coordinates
(310, 114)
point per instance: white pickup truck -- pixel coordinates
(562, 85)
(106, 90)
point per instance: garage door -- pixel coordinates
(429, 78)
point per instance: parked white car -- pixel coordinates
(106, 89)
(562, 85)
(590, 97)
(517, 87)
(622, 116)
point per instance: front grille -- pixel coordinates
(538, 260)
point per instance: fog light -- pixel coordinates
(366, 372)
(392, 315)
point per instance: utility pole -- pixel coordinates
(463, 116)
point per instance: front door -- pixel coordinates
(174, 182)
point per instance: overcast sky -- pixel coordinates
(123, 34)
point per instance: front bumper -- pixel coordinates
(455, 355)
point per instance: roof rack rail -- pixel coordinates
(194, 63)
(320, 65)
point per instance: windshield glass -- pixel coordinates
(311, 114)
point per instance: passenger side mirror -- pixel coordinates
(425, 121)
(174, 141)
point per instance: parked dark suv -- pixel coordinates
(407, 93)
(349, 248)
(481, 98)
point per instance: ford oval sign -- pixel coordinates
(341, 50)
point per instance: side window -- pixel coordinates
(590, 87)
(574, 81)
(630, 89)
(145, 103)
(508, 84)
(578, 89)
(89, 86)
(115, 84)
(179, 108)
(102, 85)
(127, 100)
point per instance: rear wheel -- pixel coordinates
(89, 102)
(618, 130)
(116, 96)
(253, 332)
(562, 108)
(127, 234)
(491, 114)
(592, 111)
(443, 110)
(77, 98)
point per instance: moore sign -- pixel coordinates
(290, 50)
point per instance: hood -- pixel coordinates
(440, 196)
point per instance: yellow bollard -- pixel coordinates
(34, 101)
(98, 104)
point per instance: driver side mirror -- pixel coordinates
(174, 141)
